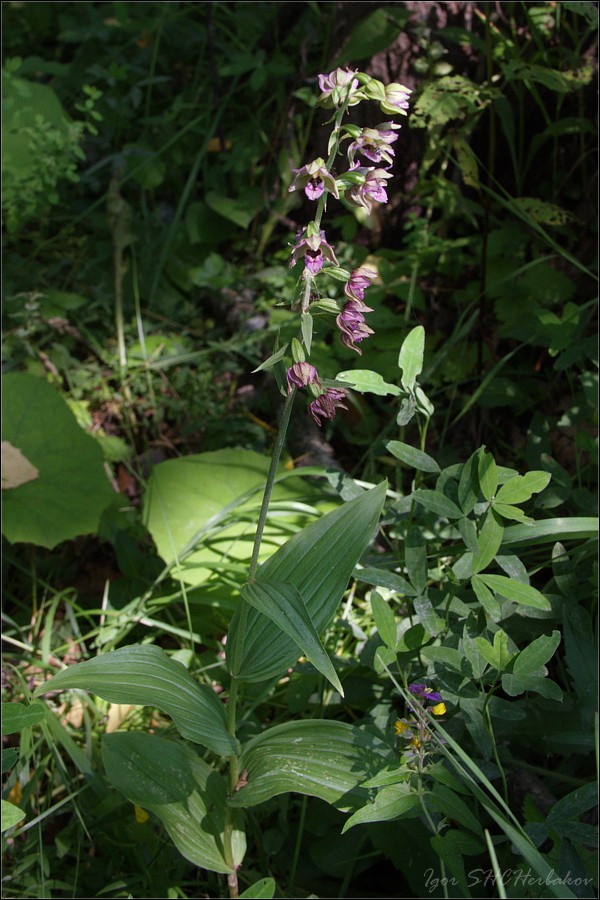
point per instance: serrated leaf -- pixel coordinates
(318, 561)
(410, 359)
(522, 487)
(325, 759)
(385, 620)
(16, 716)
(143, 675)
(524, 594)
(535, 656)
(367, 382)
(371, 35)
(283, 604)
(184, 792)
(412, 456)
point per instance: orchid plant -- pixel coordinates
(289, 600)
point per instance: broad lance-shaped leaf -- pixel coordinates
(283, 604)
(325, 759)
(318, 562)
(146, 676)
(182, 790)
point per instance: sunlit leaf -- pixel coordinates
(325, 759)
(144, 675)
(318, 562)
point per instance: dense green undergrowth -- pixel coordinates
(148, 151)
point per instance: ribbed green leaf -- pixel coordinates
(325, 759)
(318, 562)
(183, 791)
(283, 604)
(147, 769)
(146, 676)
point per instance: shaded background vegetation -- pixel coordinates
(147, 224)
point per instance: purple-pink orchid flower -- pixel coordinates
(335, 86)
(371, 191)
(315, 250)
(374, 143)
(396, 99)
(314, 178)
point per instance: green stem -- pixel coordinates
(234, 772)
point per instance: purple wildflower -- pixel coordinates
(425, 693)
(374, 143)
(352, 325)
(335, 86)
(371, 191)
(315, 250)
(396, 99)
(314, 178)
(324, 406)
(300, 375)
(358, 282)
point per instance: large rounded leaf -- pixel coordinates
(325, 759)
(71, 490)
(189, 500)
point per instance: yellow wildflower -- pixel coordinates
(439, 709)
(400, 727)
